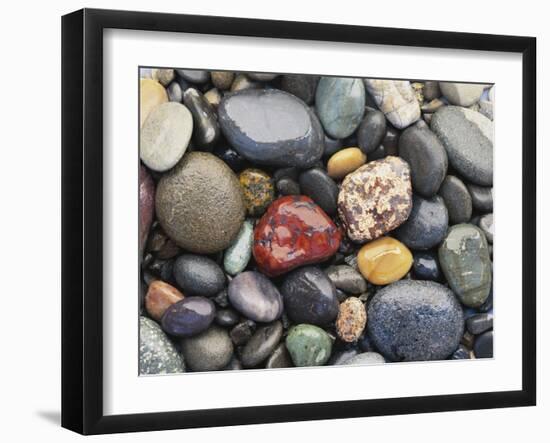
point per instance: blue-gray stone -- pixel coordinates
(486, 225)
(271, 127)
(371, 131)
(426, 266)
(309, 296)
(188, 317)
(198, 275)
(412, 320)
(461, 353)
(340, 104)
(483, 346)
(194, 75)
(457, 199)
(254, 296)
(464, 259)
(302, 86)
(347, 279)
(468, 138)
(482, 198)
(238, 255)
(426, 156)
(479, 323)
(427, 224)
(157, 354)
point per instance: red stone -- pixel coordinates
(293, 232)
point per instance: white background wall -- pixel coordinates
(30, 90)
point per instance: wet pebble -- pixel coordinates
(308, 345)
(160, 296)
(396, 99)
(384, 261)
(226, 317)
(371, 131)
(222, 79)
(261, 344)
(486, 225)
(208, 351)
(198, 275)
(188, 317)
(464, 259)
(340, 104)
(165, 135)
(199, 203)
(157, 354)
(457, 199)
(254, 296)
(427, 224)
(426, 266)
(287, 186)
(345, 161)
(293, 232)
(413, 320)
(483, 346)
(479, 323)
(271, 127)
(482, 198)
(302, 86)
(280, 358)
(309, 296)
(351, 320)
(322, 189)
(426, 156)
(468, 138)
(206, 130)
(194, 75)
(375, 199)
(258, 190)
(347, 279)
(237, 256)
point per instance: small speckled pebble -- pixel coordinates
(258, 191)
(351, 320)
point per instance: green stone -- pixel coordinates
(308, 345)
(238, 254)
(465, 261)
(157, 354)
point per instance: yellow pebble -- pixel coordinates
(384, 261)
(151, 94)
(345, 161)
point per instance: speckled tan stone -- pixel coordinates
(351, 320)
(375, 199)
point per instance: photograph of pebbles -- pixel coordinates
(291, 220)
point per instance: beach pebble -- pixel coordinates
(345, 161)
(160, 296)
(457, 199)
(198, 275)
(308, 345)
(351, 320)
(157, 354)
(208, 351)
(165, 135)
(384, 260)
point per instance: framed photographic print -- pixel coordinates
(271, 221)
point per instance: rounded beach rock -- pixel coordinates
(146, 205)
(199, 203)
(351, 321)
(375, 199)
(340, 104)
(464, 259)
(413, 320)
(309, 296)
(254, 296)
(188, 317)
(293, 232)
(208, 351)
(198, 275)
(308, 345)
(165, 135)
(160, 296)
(261, 344)
(462, 94)
(468, 138)
(157, 354)
(271, 127)
(427, 224)
(426, 156)
(396, 99)
(151, 95)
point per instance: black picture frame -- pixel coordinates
(82, 218)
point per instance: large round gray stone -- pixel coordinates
(413, 320)
(209, 351)
(157, 354)
(199, 203)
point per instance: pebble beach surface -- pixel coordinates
(293, 220)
